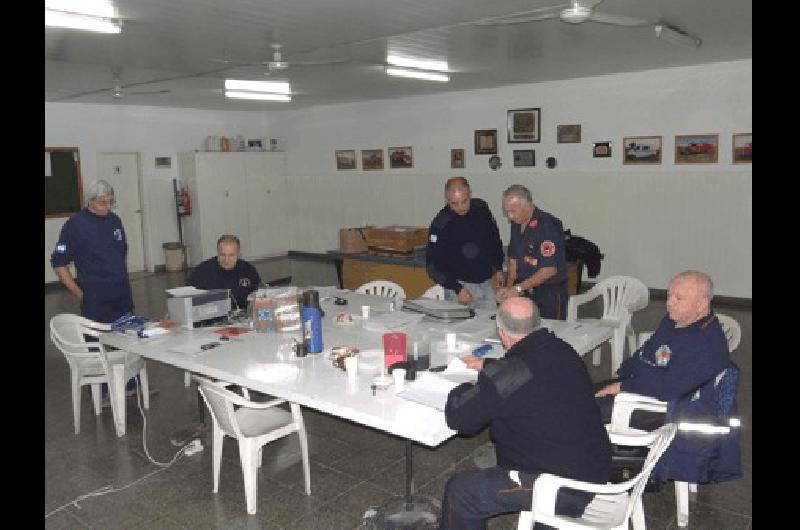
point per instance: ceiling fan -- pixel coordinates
(574, 12)
(279, 63)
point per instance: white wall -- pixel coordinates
(650, 221)
(151, 131)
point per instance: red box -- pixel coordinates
(394, 348)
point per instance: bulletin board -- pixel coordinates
(63, 188)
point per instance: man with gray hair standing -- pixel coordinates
(542, 417)
(537, 264)
(94, 240)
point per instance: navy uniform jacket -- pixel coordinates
(98, 247)
(242, 279)
(463, 247)
(539, 404)
(679, 366)
(540, 244)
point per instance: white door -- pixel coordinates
(121, 170)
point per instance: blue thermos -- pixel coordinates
(312, 329)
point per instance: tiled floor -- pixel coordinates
(352, 467)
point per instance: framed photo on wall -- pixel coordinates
(457, 158)
(696, 148)
(524, 158)
(371, 159)
(486, 142)
(524, 126)
(743, 148)
(346, 159)
(641, 150)
(568, 134)
(400, 157)
(601, 149)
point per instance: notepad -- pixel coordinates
(431, 389)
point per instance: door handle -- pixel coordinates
(138, 211)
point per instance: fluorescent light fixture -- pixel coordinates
(677, 36)
(423, 64)
(238, 94)
(275, 87)
(417, 74)
(95, 8)
(59, 19)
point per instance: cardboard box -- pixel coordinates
(396, 238)
(353, 239)
(275, 309)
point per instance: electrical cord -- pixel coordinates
(162, 465)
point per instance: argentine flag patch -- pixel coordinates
(61, 248)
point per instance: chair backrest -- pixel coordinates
(220, 403)
(732, 330)
(382, 288)
(434, 291)
(664, 436)
(726, 386)
(67, 332)
(622, 293)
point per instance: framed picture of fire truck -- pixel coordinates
(641, 150)
(743, 148)
(696, 148)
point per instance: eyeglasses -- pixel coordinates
(107, 201)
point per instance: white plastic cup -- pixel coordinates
(351, 365)
(450, 339)
(399, 375)
(365, 312)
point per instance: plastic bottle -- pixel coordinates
(312, 329)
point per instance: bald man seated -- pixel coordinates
(679, 364)
(539, 405)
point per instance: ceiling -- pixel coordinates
(175, 47)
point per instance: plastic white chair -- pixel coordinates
(732, 330)
(90, 364)
(253, 424)
(622, 296)
(613, 506)
(434, 291)
(382, 288)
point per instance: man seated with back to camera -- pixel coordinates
(542, 417)
(227, 271)
(679, 364)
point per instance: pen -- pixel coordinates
(482, 350)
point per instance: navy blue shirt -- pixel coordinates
(98, 247)
(539, 404)
(540, 244)
(463, 247)
(242, 279)
(676, 361)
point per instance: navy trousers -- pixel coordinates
(472, 497)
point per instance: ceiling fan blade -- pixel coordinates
(532, 15)
(148, 92)
(320, 62)
(617, 20)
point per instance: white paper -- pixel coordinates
(429, 389)
(187, 290)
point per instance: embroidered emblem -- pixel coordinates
(433, 238)
(530, 260)
(118, 234)
(548, 248)
(61, 248)
(534, 223)
(663, 355)
(244, 282)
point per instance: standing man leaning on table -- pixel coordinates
(538, 402)
(537, 264)
(464, 248)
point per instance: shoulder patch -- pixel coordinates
(534, 223)
(508, 375)
(663, 355)
(433, 238)
(547, 248)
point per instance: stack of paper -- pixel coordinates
(431, 388)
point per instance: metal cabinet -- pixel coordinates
(240, 193)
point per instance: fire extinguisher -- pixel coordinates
(184, 202)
